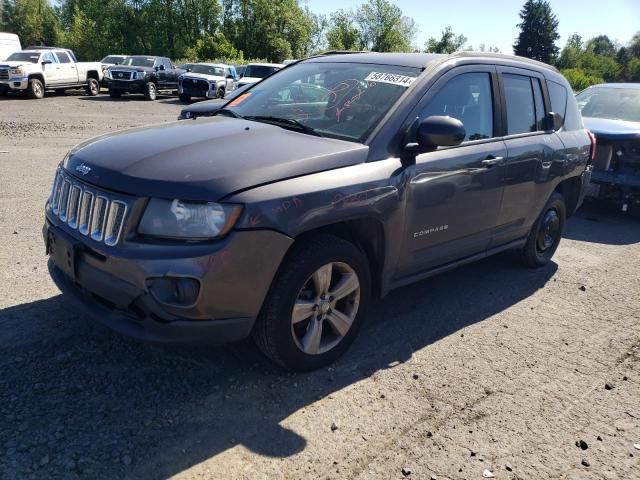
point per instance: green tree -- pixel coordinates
(634, 46)
(383, 28)
(571, 53)
(579, 80)
(343, 33)
(213, 46)
(34, 21)
(633, 70)
(602, 45)
(538, 32)
(449, 42)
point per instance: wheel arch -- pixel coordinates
(37, 76)
(570, 189)
(366, 233)
(93, 74)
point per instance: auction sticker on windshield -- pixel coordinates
(390, 78)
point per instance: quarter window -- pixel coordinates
(468, 98)
(558, 96)
(521, 113)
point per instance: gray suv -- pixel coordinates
(333, 180)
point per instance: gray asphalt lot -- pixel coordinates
(488, 367)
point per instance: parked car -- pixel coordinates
(210, 107)
(206, 80)
(186, 66)
(254, 72)
(9, 43)
(612, 113)
(37, 69)
(143, 74)
(280, 217)
(240, 70)
(110, 61)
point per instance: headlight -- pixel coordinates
(16, 71)
(180, 219)
(138, 75)
(107, 73)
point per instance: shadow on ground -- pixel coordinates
(600, 222)
(93, 404)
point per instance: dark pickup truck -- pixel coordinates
(335, 179)
(143, 74)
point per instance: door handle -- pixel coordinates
(492, 161)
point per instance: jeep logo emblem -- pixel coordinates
(83, 169)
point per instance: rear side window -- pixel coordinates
(63, 57)
(468, 98)
(521, 111)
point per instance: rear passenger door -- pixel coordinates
(530, 152)
(454, 193)
(68, 69)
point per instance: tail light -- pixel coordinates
(592, 137)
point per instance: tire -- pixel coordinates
(35, 89)
(546, 233)
(93, 87)
(185, 98)
(150, 91)
(284, 340)
(220, 93)
(115, 93)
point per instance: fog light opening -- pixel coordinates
(176, 291)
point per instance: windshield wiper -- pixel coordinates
(284, 123)
(227, 113)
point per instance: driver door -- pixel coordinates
(454, 193)
(52, 71)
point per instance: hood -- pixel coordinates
(247, 80)
(203, 76)
(18, 63)
(205, 160)
(608, 129)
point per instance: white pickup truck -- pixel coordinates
(37, 69)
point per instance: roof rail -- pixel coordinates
(342, 52)
(505, 57)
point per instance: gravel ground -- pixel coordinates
(487, 369)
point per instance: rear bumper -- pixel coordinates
(116, 285)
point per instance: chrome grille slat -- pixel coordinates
(89, 210)
(84, 217)
(98, 218)
(4, 74)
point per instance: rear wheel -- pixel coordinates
(113, 93)
(546, 233)
(36, 88)
(150, 91)
(185, 98)
(93, 87)
(315, 305)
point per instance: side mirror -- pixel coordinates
(188, 69)
(440, 131)
(553, 121)
(47, 62)
(229, 77)
(161, 68)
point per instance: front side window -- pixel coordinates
(166, 63)
(468, 98)
(339, 100)
(521, 112)
(63, 57)
(49, 57)
(207, 70)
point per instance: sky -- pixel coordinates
(493, 22)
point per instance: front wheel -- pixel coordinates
(315, 305)
(150, 91)
(93, 87)
(36, 89)
(546, 233)
(220, 93)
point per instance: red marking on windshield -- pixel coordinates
(239, 100)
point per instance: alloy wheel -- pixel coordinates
(325, 308)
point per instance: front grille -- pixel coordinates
(121, 75)
(195, 86)
(4, 74)
(93, 212)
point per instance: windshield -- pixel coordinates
(339, 100)
(259, 71)
(208, 70)
(138, 62)
(112, 59)
(612, 103)
(24, 57)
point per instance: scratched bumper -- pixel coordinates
(234, 276)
